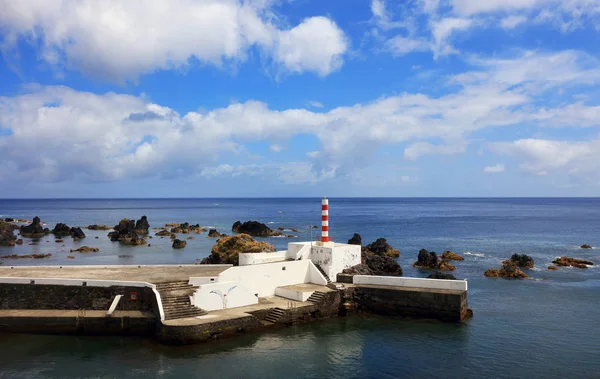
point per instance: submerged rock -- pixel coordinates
(85, 249)
(254, 228)
(520, 260)
(507, 271)
(33, 230)
(441, 275)
(552, 268)
(27, 256)
(355, 240)
(98, 227)
(179, 244)
(452, 256)
(586, 246)
(228, 249)
(572, 262)
(381, 247)
(163, 233)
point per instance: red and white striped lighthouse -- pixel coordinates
(324, 220)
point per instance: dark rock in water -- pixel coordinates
(573, 262)
(77, 233)
(61, 230)
(99, 227)
(126, 234)
(441, 275)
(355, 240)
(86, 249)
(228, 249)
(430, 260)
(586, 246)
(27, 256)
(59, 241)
(508, 271)
(163, 233)
(19, 242)
(10, 219)
(374, 264)
(214, 233)
(142, 225)
(520, 260)
(552, 268)
(179, 244)
(33, 230)
(253, 228)
(7, 235)
(381, 247)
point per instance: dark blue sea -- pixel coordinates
(544, 327)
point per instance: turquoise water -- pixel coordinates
(546, 327)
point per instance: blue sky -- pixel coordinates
(203, 98)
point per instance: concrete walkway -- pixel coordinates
(151, 274)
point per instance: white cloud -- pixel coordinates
(443, 30)
(287, 173)
(276, 148)
(540, 157)
(316, 45)
(315, 104)
(470, 7)
(378, 8)
(512, 22)
(494, 169)
(400, 45)
(419, 149)
(121, 40)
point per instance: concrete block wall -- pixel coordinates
(395, 281)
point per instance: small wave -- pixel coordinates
(271, 222)
(474, 254)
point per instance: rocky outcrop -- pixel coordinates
(85, 249)
(441, 275)
(379, 261)
(98, 227)
(430, 260)
(520, 260)
(10, 219)
(586, 246)
(254, 228)
(572, 262)
(163, 233)
(212, 233)
(77, 233)
(33, 230)
(61, 230)
(451, 256)
(7, 235)
(381, 247)
(507, 271)
(552, 268)
(355, 240)
(126, 234)
(228, 249)
(179, 244)
(186, 228)
(142, 225)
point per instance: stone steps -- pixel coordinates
(316, 297)
(275, 315)
(323, 272)
(175, 298)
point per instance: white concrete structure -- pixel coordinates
(243, 285)
(394, 281)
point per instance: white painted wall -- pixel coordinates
(247, 259)
(293, 295)
(199, 281)
(333, 260)
(460, 285)
(222, 295)
(261, 280)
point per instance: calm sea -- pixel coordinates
(546, 327)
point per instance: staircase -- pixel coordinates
(316, 297)
(274, 315)
(175, 298)
(323, 272)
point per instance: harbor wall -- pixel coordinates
(398, 281)
(36, 295)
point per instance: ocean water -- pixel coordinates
(544, 327)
